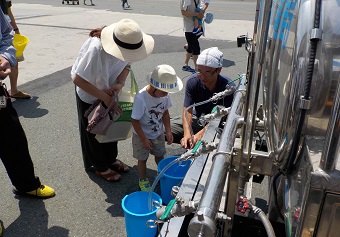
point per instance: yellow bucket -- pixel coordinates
(20, 42)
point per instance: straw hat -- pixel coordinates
(126, 41)
(164, 78)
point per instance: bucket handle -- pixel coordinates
(156, 204)
(183, 163)
(151, 224)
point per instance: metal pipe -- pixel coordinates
(257, 11)
(331, 150)
(254, 85)
(203, 222)
(252, 98)
(288, 168)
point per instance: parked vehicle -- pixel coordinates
(284, 124)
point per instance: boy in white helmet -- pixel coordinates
(150, 116)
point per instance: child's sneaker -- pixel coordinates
(144, 185)
(196, 30)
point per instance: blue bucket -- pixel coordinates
(136, 214)
(173, 176)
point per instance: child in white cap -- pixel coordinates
(150, 116)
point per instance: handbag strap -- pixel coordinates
(113, 103)
(195, 3)
(134, 90)
(98, 101)
(134, 86)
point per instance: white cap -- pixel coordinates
(211, 57)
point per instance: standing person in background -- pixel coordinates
(150, 114)
(125, 2)
(90, 1)
(14, 152)
(13, 76)
(100, 72)
(188, 11)
(198, 22)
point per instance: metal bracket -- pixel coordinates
(305, 103)
(316, 33)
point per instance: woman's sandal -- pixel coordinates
(113, 176)
(119, 166)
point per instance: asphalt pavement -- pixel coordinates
(85, 205)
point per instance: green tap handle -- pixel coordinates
(214, 109)
(196, 146)
(168, 209)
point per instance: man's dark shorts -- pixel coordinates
(193, 44)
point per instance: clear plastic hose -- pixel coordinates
(158, 178)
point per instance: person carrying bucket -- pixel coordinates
(149, 114)
(6, 7)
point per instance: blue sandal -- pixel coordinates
(187, 68)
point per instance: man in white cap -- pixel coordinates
(200, 87)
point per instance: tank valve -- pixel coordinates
(242, 204)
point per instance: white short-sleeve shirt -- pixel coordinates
(97, 67)
(149, 111)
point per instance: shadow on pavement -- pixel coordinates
(116, 191)
(29, 108)
(228, 63)
(33, 221)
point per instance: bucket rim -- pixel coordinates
(170, 176)
(20, 38)
(134, 214)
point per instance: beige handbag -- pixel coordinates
(121, 128)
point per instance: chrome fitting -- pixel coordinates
(304, 103)
(316, 33)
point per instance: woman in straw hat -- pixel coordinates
(100, 72)
(149, 114)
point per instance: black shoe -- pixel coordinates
(90, 169)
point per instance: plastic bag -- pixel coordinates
(121, 128)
